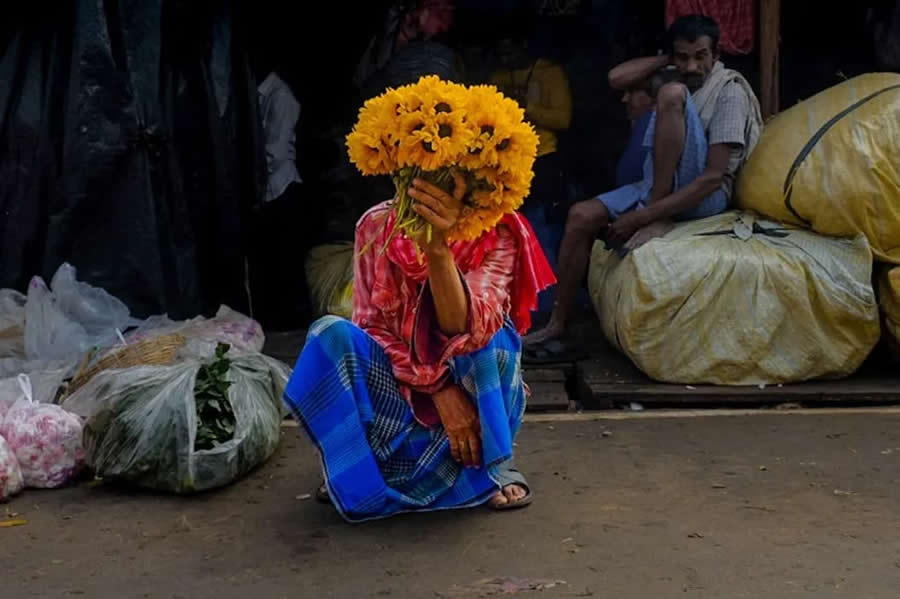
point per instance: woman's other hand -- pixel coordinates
(460, 420)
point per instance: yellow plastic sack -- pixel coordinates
(889, 298)
(832, 164)
(329, 275)
(739, 306)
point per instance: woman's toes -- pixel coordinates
(513, 493)
(499, 499)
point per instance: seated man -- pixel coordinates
(699, 141)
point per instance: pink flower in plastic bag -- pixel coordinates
(45, 439)
(11, 482)
(4, 408)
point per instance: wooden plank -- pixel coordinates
(609, 379)
(547, 396)
(847, 391)
(688, 413)
(684, 413)
(769, 65)
(547, 375)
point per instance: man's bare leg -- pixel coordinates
(590, 218)
(668, 146)
(585, 222)
(668, 143)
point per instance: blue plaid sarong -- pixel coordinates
(692, 164)
(378, 461)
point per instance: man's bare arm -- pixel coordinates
(632, 72)
(695, 192)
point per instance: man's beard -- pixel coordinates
(693, 82)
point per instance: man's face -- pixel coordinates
(637, 103)
(694, 60)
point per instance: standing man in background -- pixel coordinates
(280, 112)
(282, 228)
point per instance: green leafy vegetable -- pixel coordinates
(215, 416)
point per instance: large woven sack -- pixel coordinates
(832, 164)
(329, 275)
(889, 299)
(731, 301)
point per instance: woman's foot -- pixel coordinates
(510, 497)
(322, 494)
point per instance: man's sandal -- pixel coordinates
(552, 351)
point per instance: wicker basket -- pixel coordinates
(153, 351)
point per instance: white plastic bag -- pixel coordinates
(45, 439)
(12, 324)
(141, 423)
(71, 319)
(47, 376)
(97, 311)
(50, 334)
(11, 482)
(227, 326)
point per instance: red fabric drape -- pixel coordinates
(737, 18)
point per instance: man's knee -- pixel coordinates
(671, 97)
(587, 217)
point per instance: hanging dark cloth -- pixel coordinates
(130, 147)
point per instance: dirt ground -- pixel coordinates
(781, 505)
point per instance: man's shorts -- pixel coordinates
(690, 167)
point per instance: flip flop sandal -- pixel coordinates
(552, 351)
(512, 477)
(518, 504)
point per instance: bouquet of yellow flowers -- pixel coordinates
(430, 128)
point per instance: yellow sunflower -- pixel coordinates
(517, 150)
(376, 132)
(473, 224)
(504, 139)
(425, 128)
(434, 142)
(370, 154)
(482, 150)
(433, 96)
(498, 190)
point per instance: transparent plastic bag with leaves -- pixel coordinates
(141, 424)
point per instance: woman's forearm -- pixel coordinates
(447, 290)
